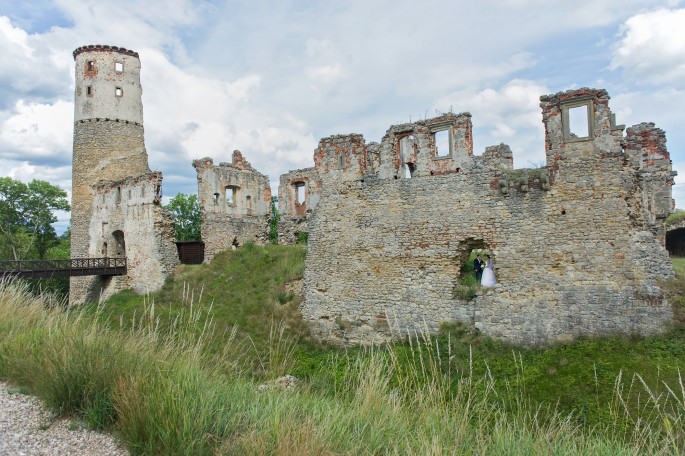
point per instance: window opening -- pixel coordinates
(231, 196)
(142, 192)
(129, 194)
(300, 187)
(118, 67)
(90, 65)
(442, 143)
(341, 161)
(89, 91)
(118, 199)
(216, 198)
(578, 122)
(118, 92)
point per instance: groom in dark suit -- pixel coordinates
(478, 268)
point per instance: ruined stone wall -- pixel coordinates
(572, 254)
(235, 200)
(295, 210)
(128, 221)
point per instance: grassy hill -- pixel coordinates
(176, 373)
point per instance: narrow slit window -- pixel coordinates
(118, 92)
(118, 67)
(442, 143)
(578, 122)
(341, 161)
(90, 65)
(89, 91)
(216, 198)
(118, 197)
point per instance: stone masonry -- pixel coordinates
(235, 200)
(577, 245)
(109, 164)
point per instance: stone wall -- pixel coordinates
(128, 221)
(574, 244)
(235, 200)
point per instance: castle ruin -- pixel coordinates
(578, 244)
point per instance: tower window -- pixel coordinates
(118, 67)
(118, 92)
(89, 91)
(90, 65)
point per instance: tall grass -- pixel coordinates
(164, 395)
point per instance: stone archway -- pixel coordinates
(675, 242)
(119, 243)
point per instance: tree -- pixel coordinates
(27, 215)
(273, 221)
(187, 217)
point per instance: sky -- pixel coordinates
(272, 78)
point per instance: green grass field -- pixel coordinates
(176, 373)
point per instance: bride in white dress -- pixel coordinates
(488, 279)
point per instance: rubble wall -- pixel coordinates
(573, 244)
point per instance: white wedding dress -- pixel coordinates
(488, 279)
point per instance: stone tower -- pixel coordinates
(108, 147)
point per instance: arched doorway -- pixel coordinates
(119, 243)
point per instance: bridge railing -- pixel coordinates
(63, 268)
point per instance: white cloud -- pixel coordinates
(509, 114)
(38, 130)
(652, 47)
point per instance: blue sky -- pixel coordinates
(272, 78)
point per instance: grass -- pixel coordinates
(163, 395)
(177, 373)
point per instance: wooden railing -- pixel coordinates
(40, 269)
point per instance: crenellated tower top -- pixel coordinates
(107, 85)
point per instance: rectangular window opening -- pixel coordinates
(89, 91)
(118, 92)
(90, 65)
(578, 122)
(442, 143)
(118, 198)
(118, 67)
(231, 196)
(300, 186)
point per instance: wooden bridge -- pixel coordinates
(47, 269)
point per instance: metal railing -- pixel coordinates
(35, 269)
